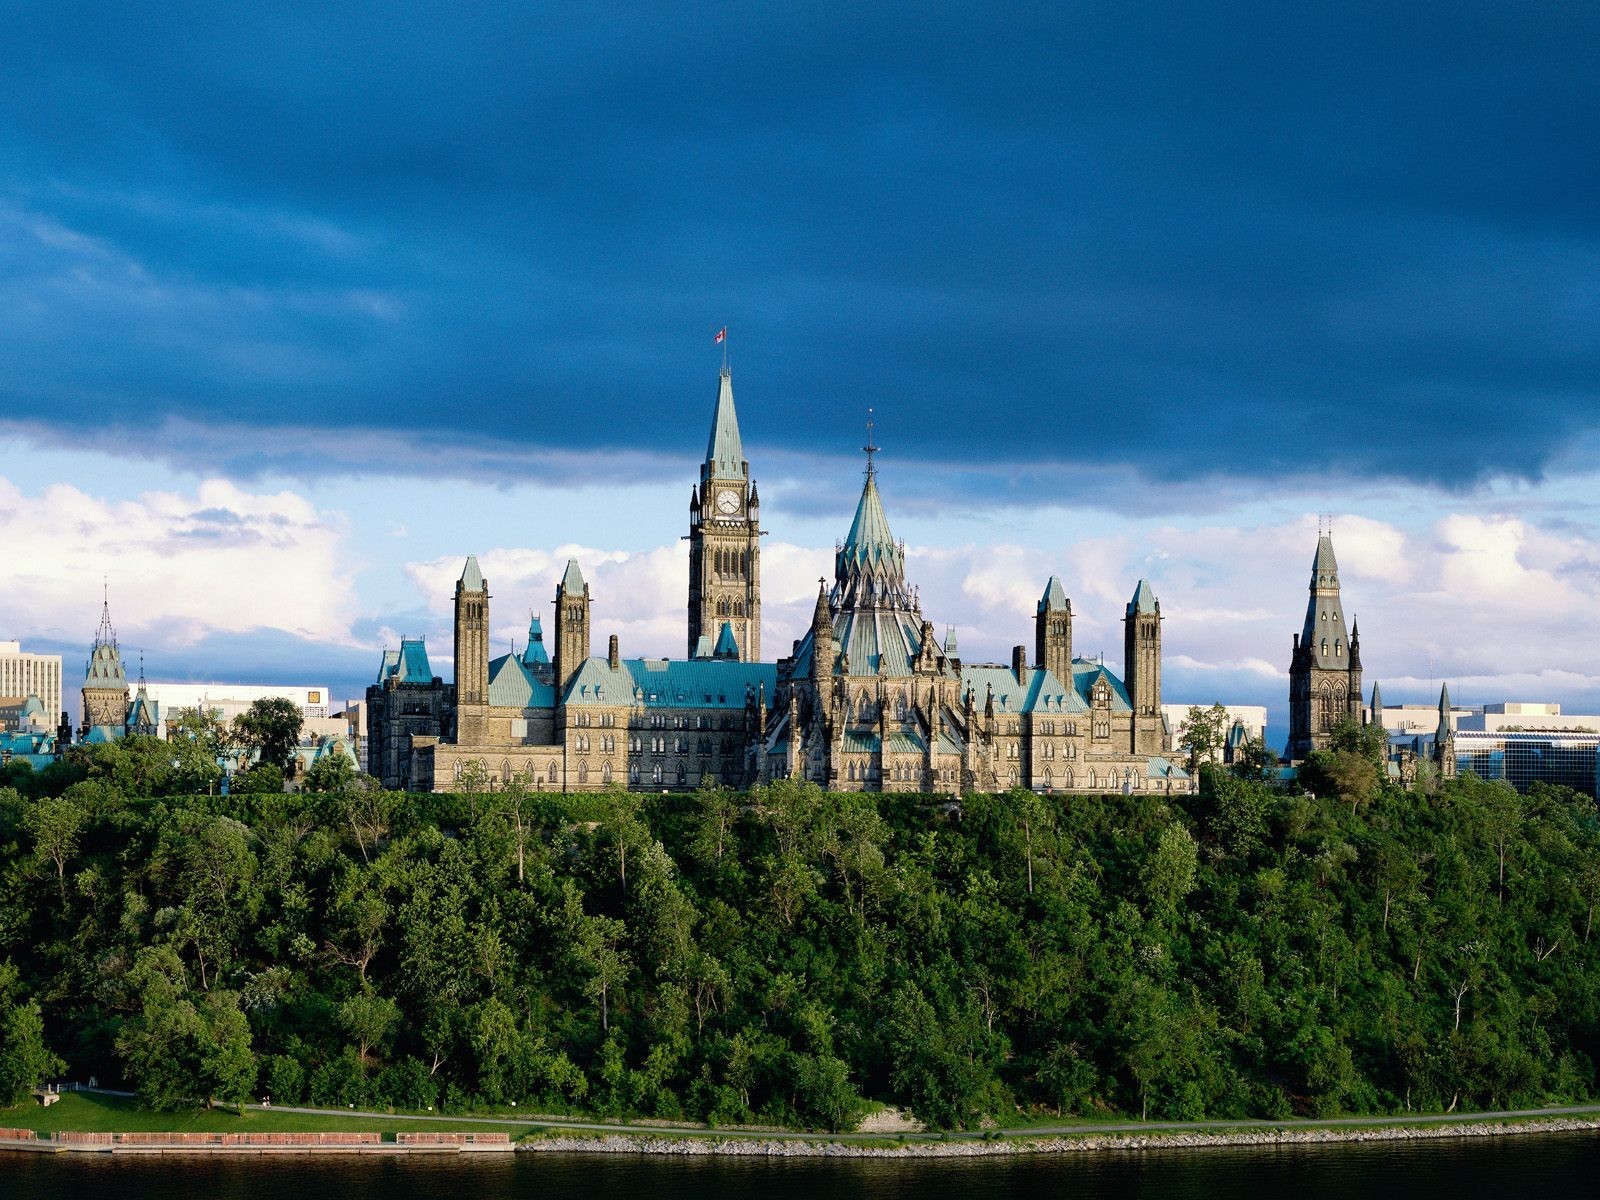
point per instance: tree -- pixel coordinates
(181, 1048)
(330, 773)
(263, 779)
(25, 1060)
(55, 825)
(596, 949)
(1203, 734)
(271, 728)
(1252, 760)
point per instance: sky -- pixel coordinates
(300, 304)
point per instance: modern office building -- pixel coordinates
(23, 674)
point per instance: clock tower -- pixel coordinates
(725, 540)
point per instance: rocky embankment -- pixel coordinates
(1076, 1144)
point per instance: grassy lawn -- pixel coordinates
(88, 1113)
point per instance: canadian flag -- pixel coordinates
(722, 336)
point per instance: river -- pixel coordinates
(1542, 1167)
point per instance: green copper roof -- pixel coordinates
(1324, 563)
(1323, 636)
(727, 644)
(1444, 698)
(472, 577)
(535, 653)
(1144, 599)
(1040, 692)
(1055, 596)
(676, 683)
(869, 539)
(409, 664)
(513, 685)
(572, 581)
(725, 452)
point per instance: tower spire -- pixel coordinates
(872, 467)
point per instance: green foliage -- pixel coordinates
(263, 779)
(1203, 733)
(271, 728)
(25, 1060)
(789, 955)
(332, 773)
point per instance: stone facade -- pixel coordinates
(105, 682)
(1325, 666)
(871, 699)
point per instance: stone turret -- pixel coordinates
(1141, 641)
(1325, 668)
(1052, 637)
(725, 537)
(105, 680)
(472, 654)
(572, 626)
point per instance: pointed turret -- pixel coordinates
(1052, 631)
(1444, 737)
(1324, 635)
(727, 646)
(1375, 710)
(572, 626)
(724, 451)
(1141, 662)
(105, 679)
(870, 566)
(725, 537)
(535, 655)
(472, 654)
(1325, 666)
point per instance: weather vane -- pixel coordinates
(869, 447)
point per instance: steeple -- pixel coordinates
(472, 654)
(1375, 709)
(535, 654)
(724, 451)
(870, 566)
(572, 626)
(1052, 631)
(1325, 667)
(725, 538)
(1141, 664)
(1324, 635)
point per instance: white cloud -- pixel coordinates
(178, 566)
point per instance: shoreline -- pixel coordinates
(787, 1147)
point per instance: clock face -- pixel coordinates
(727, 502)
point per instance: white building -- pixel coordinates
(23, 674)
(226, 701)
(1507, 716)
(1252, 716)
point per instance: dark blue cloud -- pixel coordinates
(1189, 240)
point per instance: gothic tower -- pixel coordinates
(1141, 662)
(1444, 737)
(472, 655)
(1052, 632)
(572, 626)
(725, 539)
(105, 680)
(1325, 669)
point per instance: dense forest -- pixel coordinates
(791, 956)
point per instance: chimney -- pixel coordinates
(1019, 664)
(611, 654)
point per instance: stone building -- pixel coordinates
(109, 710)
(870, 699)
(1325, 666)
